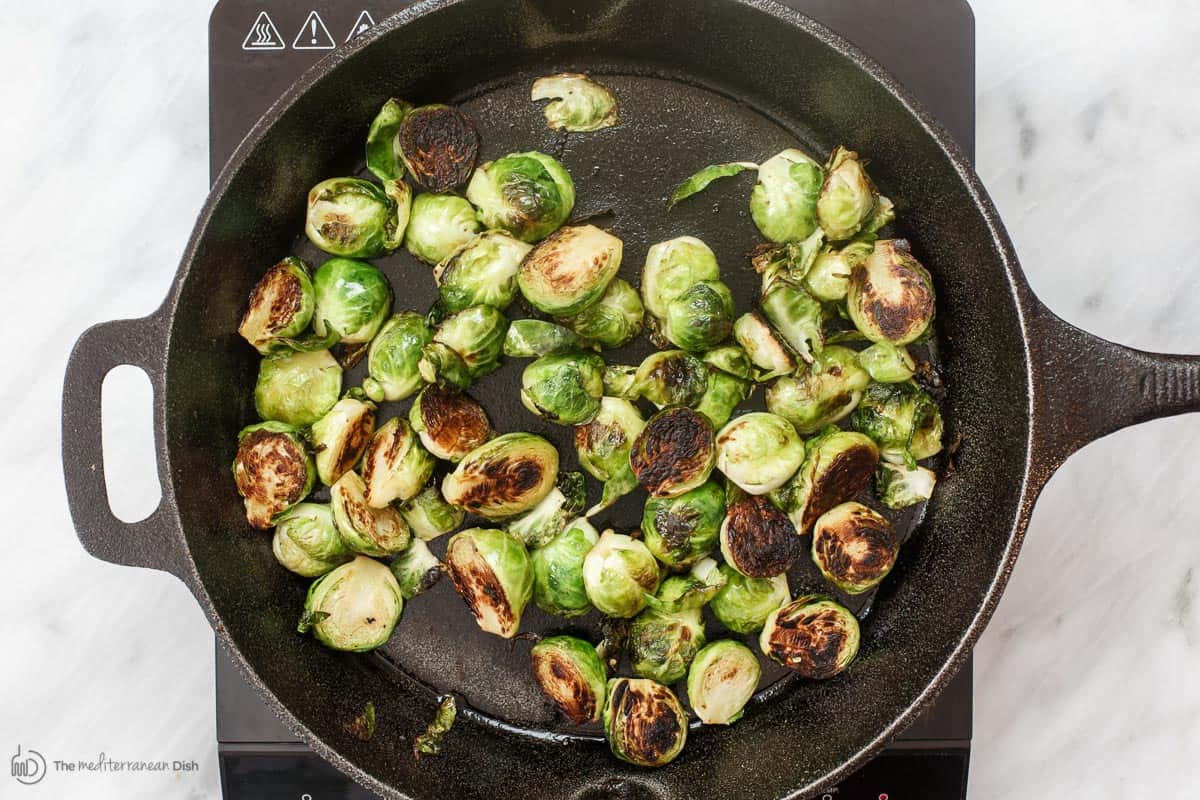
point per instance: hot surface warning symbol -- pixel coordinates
(313, 35)
(263, 35)
(363, 22)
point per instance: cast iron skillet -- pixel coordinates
(698, 83)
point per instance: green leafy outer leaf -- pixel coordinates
(429, 743)
(700, 181)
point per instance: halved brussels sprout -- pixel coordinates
(558, 587)
(504, 477)
(784, 201)
(438, 144)
(450, 423)
(757, 539)
(700, 318)
(764, 346)
(644, 723)
(732, 360)
(416, 569)
(273, 471)
(837, 465)
(548, 518)
(662, 644)
(721, 680)
(395, 465)
(339, 437)
(603, 446)
(891, 296)
(743, 604)
(848, 198)
(527, 195)
(615, 319)
(297, 388)
(466, 345)
(825, 393)
(887, 363)
(674, 453)
(280, 306)
(671, 378)
(439, 225)
(902, 419)
(682, 530)
(355, 218)
(796, 316)
(759, 451)
(482, 272)
(572, 676)
(723, 395)
(383, 141)
(689, 591)
(620, 380)
(353, 300)
(828, 279)
(365, 529)
(570, 269)
(577, 103)
(492, 573)
(354, 607)
(618, 573)
(429, 515)
(854, 547)
(671, 268)
(564, 389)
(529, 338)
(899, 486)
(306, 540)
(814, 635)
(393, 358)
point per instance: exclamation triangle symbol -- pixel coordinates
(313, 35)
(263, 35)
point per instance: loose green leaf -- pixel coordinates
(700, 181)
(429, 743)
(310, 619)
(362, 727)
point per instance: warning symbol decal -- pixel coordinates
(263, 35)
(361, 25)
(313, 35)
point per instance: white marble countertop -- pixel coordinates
(1088, 680)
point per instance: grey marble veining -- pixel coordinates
(1087, 681)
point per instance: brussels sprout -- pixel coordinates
(354, 607)
(848, 197)
(854, 547)
(504, 477)
(450, 423)
(721, 680)
(618, 573)
(674, 453)
(699, 181)
(723, 395)
(481, 272)
(273, 471)
(465, 346)
(572, 676)
(280, 306)
(732, 360)
(529, 338)
(297, 388)
(339, 437)
(682, 530)
(577, 103)
(700, 318)
(764, 347)
(366, 529)
(788, 261)
(353, 300)
(383, 141)
(615, 320)
(570, 269)
(439, 225)
(784, 201)
(828, 279)
(429, 515)
(558, 571)
(416, 569)
(891, 295)
(759, 452)
(527, 195)
(797, 317)
(306, 540)
(837, 465)
(644, 723)
(887, 363)
(564, 389)
(357, 219)
(824, 394)
(393, 357)
(662, 644)
(438, 145)
(690, 591)
(671, 268)
(603, 447)
(395, 465)
(671, 378)
(620, 380)
(757, 539)
(814, 635)
(899, 486)
(492, 573)
(743, 604)
(902, 419)
(548, 518)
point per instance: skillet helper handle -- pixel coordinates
(150, 542)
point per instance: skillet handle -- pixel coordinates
(152, 542)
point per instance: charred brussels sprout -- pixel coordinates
(796, 316)
(663, 643)
(357, 219)
(615, 320)
(439, 225)
(529, 338)
(395, 465)
(618, 573)
(854, 547)
(306, 540)
(558, 587)
(416, 569)
(298, 388)
(837, 465)
(528, 195)
(682, 530)
(354, 607)
(564, 389)
(504, 477)
(280, 306)
(764, 347)
(828, 279)
(824, 394)
(644, 723)
(603, 447)
(784, 201)
(848, 198)
(700, 318)
(813, 635)
(438, 145)
(353, 300)
(743, 604)
(273, 471)
(450, 423)
(548, 518)
(383, 141)
(465, 346)
(571, 676)
(759, 451)
(482, 272)
(492, 573)
(570, 269)
(429, 515)
(674, 453)
(723, 395)
(887, 363)
(671, 378)
(757, 539)
(899, 486)
(577, 103)
(365, 529)
(340, 437)
(902, 419)
(891, 295)
(672, 267)
(721, 680)
(393, 358)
